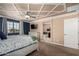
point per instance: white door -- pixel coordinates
(71, 33)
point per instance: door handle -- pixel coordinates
(65, 34)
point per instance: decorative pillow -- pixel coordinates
(34, 38)
(2, 35)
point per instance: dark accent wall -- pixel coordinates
(26, 27)
(1, 23)
(4, 25)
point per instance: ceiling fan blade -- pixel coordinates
(32, 16)
(29, 14)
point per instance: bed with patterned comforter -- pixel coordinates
(14, 43)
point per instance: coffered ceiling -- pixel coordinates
(19, 10)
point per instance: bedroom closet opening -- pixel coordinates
(47, 31)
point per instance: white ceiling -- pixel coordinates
(18, 10)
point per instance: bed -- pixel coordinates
(17, 45)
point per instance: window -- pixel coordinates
(13, 27)
(16, 27)
(9, 27)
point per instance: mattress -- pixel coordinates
(15, 42)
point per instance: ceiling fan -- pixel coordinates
(29, 16)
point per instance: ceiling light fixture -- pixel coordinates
(27, 16)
